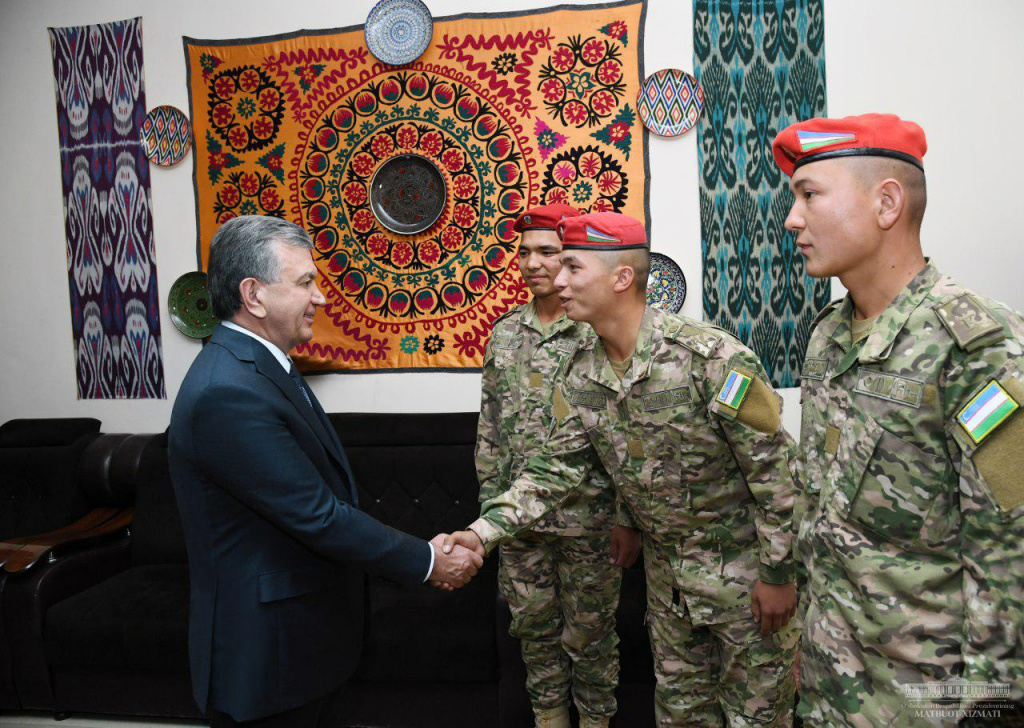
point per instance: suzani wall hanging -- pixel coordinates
(115, 310)
(762, 66)
(511, 110)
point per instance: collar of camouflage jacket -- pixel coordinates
(601, 370)
(528, 317)
(878, 344)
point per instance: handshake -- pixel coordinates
(457, 558)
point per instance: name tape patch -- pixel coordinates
(814, 369)
(988, 410)
(667, 398)
(734, 390)
(589, 399)
(890, 387)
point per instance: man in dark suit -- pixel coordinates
(277, 545)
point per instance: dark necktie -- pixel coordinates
(300, 384)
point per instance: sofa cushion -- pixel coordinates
(137, 619)
(422, 634)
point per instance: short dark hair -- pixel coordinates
(245, 247)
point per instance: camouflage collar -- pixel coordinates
(601, 370)
(529, 318)
(892, 320)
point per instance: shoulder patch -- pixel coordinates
(700, 341)
(986, 411)
(734, 389)
(969, 322)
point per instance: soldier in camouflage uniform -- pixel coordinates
(912, 444)
(557, 577)
(682, 417)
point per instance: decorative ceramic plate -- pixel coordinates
(670, 102)
(398, 31)
(190, 307)
(666, 285)
(407, 194)
(166, 135)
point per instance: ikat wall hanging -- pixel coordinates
(115, 310)
(762, 67)
(514, 110)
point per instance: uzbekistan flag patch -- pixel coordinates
(596, 236)
(734, 390)
(989, 409)
(816, 139)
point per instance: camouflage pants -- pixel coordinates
(563, 593)
(708, 675)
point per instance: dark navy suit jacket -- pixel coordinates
(277, 547)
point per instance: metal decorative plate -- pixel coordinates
(666, 285)
(166, 135)
(398, 31)
(407, 194)
(670, 102)
(190, 307)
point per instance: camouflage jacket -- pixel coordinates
(521, 366)
(912, 521)
(707, 483)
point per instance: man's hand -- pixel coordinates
(626, 545)
(453, 567)
(468, 539)
(772, 605)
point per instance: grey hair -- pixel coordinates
(245, 247)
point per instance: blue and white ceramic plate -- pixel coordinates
(398, 31)
(666, 285)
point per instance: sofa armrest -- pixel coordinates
(28, 595)
(20, 554)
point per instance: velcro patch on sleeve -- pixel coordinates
(1000, 458)
(986, 412)
(761, 409)
(734, 390)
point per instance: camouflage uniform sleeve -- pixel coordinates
(762, 448)
(548, 478)
(622, 515)
(984, 399)
(488, 433)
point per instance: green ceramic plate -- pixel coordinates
(190, 307)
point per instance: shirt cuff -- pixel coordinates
(488, 533)
(784, 573)
(430, 569)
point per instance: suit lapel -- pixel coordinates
(248, 349)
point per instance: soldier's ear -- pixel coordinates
(891, 202)
(624, 278)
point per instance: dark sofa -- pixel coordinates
(106, 626)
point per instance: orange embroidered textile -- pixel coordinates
(514, 110)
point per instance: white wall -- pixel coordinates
(953, 69)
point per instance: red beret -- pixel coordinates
(868, 135)
(544, 217)
(602, 231)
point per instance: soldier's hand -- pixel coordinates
(453, 567)
(772, 605)
(468, 539)
(626, 545)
